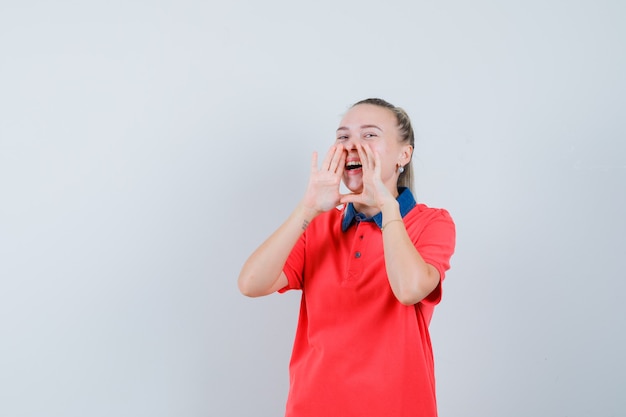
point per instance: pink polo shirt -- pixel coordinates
(358, 351)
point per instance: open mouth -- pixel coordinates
(353, 165)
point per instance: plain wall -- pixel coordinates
(147, 147)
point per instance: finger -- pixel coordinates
(377, 163)
(371, 156)
(328, 158)
(341, 165)
(367, 159)
(362, 156)
(337, 156)
(314, 162)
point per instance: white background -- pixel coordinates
(147, 147)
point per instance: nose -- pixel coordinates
(350, 144)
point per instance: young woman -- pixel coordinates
(370, 266)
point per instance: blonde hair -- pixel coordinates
(405, 131)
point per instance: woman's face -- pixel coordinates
(376, 127)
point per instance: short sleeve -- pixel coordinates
(436, 245)
(294, 266)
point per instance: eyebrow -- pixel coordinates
(362, 127)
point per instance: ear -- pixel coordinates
(406, 154)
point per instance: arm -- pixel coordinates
(262, 273)
(410, 277)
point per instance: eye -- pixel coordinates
(342, 137)
(369, 135)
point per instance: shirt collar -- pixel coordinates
(350, 215)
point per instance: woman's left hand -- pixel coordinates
(374, 193)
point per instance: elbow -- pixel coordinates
(409, 295)
(246, 281)
(252, 285)
(247, 291)
(244, 284)
(409, 298)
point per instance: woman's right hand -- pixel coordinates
(322, 192)
(263, 273)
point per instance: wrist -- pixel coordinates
(306, 212)
(389, 208)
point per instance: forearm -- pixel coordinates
(410, 277)
(261, 273)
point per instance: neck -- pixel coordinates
(371, 211)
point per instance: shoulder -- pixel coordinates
(423, 217)
(422, 211)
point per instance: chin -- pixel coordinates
(354, 186)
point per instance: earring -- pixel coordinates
(400, 169)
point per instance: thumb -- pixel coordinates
(350, 198)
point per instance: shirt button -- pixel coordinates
(361, 237)
(357, 255)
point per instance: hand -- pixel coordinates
(322, 192)
(374, 193)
